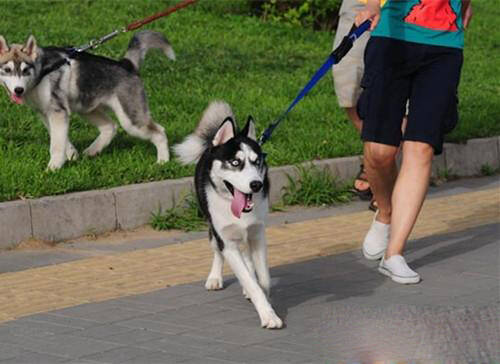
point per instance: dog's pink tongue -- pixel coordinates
(238, 204)
(18, 100)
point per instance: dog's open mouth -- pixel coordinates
(13, 97)
(16, 99)
(242, 202)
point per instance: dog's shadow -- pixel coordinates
(347, 276)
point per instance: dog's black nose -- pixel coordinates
(256, 186)
(19, 91)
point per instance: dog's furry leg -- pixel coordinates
(107, 131)
(141, 126)
(215, 280)
(251, 268)
(268, 317)
(71, 151)
(258, 249)
(58, 129)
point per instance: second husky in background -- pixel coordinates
(232, 189)
(89, 85)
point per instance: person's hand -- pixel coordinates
(370, 11)
(466, 12)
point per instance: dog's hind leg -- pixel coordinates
(107, 131)
(258, 250)
(268, 317)
(58, 125)
(137, 122)
(215, 280)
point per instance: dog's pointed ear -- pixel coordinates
(225, 132)
(30, 47)
(249, 129)
(4, 47)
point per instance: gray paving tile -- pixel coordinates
(71, 322)
(35, 358)
(120, 355)
(60, 345)
(153, 325)
(100, 331)
(8, 351)
(107, 313)
(133, 337)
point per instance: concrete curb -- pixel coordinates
(94, 212)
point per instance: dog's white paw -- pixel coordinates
(246, 295)
(71, 153)
(270, 320)
(55, 164)
(91, 152)
(214, 284)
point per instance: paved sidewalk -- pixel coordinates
(143, 301)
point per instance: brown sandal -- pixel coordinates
(363, 194)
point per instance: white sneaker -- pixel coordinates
(396, 268)
(376, 239)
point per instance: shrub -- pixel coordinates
(315, 14)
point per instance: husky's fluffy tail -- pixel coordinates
(191, 149)
(142, 42)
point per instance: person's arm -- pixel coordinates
(466, 12)
(370, 11)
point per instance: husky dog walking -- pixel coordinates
(89, 85)
(232, 189)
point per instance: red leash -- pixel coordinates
(139, 23)
(72, 52)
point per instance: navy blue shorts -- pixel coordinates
(425, 75)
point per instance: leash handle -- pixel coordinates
(139, 23)
(357, 32)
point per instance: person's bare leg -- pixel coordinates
(381, 169)
(352, 113)
(409, 193)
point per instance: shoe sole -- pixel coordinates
(398, 279)
(373, 256)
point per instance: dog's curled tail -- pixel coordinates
(193, 146)
(142, 42)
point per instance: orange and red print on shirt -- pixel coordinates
(434, 22)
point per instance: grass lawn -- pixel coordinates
(257, 67)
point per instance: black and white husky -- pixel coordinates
(232, 189)
(89, 85)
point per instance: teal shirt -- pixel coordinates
(434, 22)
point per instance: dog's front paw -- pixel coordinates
(71, 153)
(270, 320)
(55, 164)
(214, 283)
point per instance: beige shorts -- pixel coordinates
(348, 72)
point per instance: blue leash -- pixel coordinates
(335, 57)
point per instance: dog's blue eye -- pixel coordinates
(26, 72)
(235, 162)
(7, 70)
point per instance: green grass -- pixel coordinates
(257, 67)
(315, 187)
(185, 215)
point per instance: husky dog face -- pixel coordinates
(238, 168)
(17, 67)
